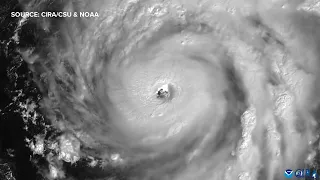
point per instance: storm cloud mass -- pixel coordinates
(157, 90)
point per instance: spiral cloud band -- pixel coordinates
(179, 89)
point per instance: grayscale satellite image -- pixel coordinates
(159, 89)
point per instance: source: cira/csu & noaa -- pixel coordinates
(54, 14)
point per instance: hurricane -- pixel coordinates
(176, 89)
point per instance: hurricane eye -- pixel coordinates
(165, 92)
